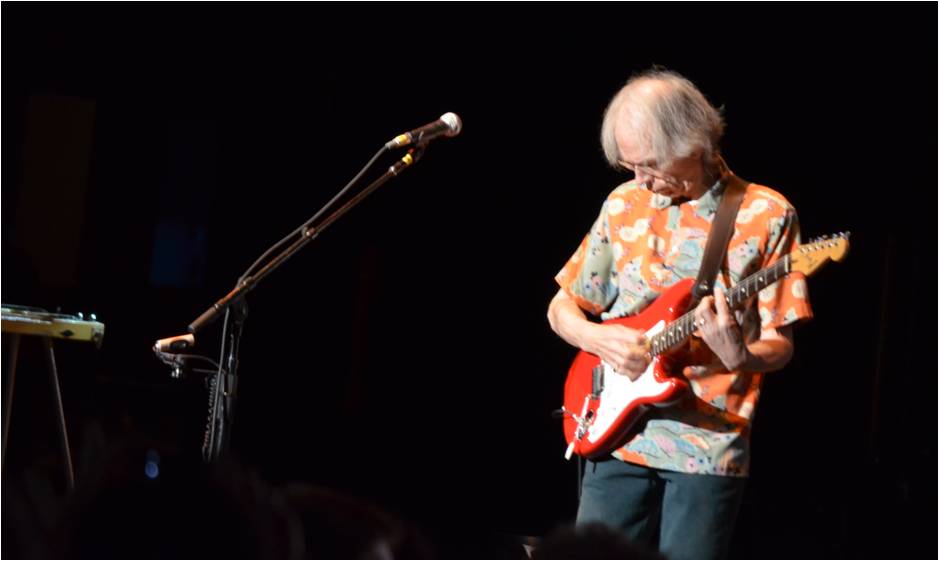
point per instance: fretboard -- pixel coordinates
(677, 333)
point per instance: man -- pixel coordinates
(680, 477)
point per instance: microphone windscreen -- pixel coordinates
(453, 123)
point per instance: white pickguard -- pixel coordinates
(619, 392)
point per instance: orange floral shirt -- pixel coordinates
(643, 243)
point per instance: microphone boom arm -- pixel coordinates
(248, 283)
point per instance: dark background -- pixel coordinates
(151, 153)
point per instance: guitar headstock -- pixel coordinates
(807, 258)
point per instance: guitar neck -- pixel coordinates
(679, 331)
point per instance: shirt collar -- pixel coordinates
(706, 205)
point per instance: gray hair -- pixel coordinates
(667, 114)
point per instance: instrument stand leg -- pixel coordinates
(239, 311)
(11, 345)
(222, 413)
(60, 412)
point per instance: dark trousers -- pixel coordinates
(691, 515)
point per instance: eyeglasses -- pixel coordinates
(647, 171)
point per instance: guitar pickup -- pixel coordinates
(597, 381)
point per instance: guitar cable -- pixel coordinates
(580, 477)
(211, 439)
(207, 436)
(214, 430)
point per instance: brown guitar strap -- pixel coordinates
(722, 228)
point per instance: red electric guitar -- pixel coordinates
(601, 406)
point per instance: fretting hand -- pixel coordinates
(717, 325)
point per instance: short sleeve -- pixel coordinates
(589, 276)
(786, 301)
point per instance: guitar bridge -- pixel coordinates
(583, 424)
(584, 420)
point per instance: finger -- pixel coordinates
(699, 313)
(629, 370)
(627, 363)
(723, 309)
(640, 357)
(634, 374)
(695, 371)
(616, 361)
(635, 365)
(704, 305)
(703, 313)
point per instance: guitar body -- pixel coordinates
(601, 406)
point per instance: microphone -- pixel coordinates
(449, 124)
(174, 344)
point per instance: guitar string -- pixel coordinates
(679, 330)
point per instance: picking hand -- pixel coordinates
(625, 349)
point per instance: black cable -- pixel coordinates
(209, 435)
(209, 442)
(214, 435)
(319, 213)
(580, 477)
(173, 359)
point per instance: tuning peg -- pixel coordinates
(92, 317)
(80, 315)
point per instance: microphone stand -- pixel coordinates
(223, 387)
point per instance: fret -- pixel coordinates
(682, 328)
